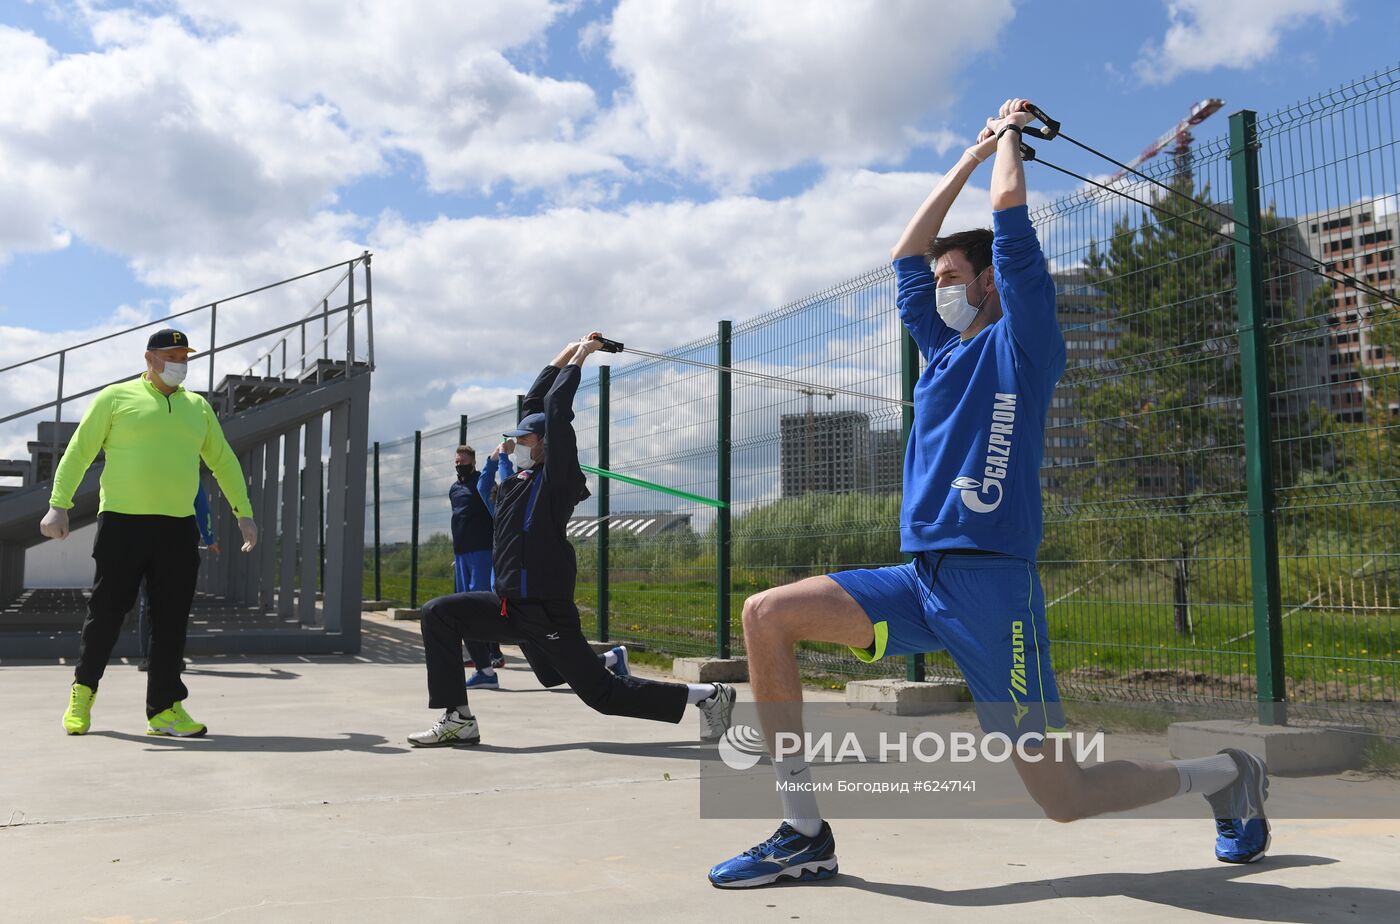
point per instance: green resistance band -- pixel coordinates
(653, 486)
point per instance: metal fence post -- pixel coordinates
(369, 311)
(604, 392)
(350, 321)
(1254, 375)
(413, 536)
(378, 588)
(57, 417)
(213, 334)
(519, 406)
(462, 430)
(908, 378)
(722, 490)
(321, 526)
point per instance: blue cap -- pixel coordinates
(530, 423)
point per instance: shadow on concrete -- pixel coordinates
(1220, 891)
(277, 744)
(676, 750)
(275, 673)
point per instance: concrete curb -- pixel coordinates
(711, 670)
(903, 697)
(1287, 749)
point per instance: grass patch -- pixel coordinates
(1119, 717)
(1105, 644)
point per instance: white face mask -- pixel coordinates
(954, 308)
(520, 455)
(173, 373)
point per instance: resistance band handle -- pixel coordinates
(1051, 129)
(610, 346)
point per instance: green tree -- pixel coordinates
(1163, 411)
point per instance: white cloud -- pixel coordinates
(501, 295)
(216, 124)
(208, 143)
(467, 310)
(1206, 34)
(735, 89)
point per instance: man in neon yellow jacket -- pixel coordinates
(154, 434)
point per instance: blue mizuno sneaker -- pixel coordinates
(620, 668)
(480, 681)
(788, 854)
(1241, 830)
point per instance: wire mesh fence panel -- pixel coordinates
(1147, 553)
(1330, 186)
(584, 532)
(1145, 559)
(816, 472)
(395, 521)
(661, 560)
(436, 476)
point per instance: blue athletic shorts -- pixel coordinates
(987, 611)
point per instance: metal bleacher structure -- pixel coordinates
(297, 415)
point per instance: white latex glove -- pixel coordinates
(249, 529)
(55, 523)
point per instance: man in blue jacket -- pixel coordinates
(471, 551)
(535, 573)
(981, 307)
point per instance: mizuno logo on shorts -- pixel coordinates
(1018, 657)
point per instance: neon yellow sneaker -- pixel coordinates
(77, 719)
(174, 721)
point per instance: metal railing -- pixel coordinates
(321, 311)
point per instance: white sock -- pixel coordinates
(463, 711)
(799, 803)
(1206, 775)
(699, 692)
(488, 671)
(610, 658)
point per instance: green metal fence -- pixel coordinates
(1221, 475)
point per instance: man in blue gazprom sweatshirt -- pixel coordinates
(981, 306)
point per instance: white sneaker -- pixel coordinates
(717, 712)
(452, 728)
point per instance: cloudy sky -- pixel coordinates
(524, 170)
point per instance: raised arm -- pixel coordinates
(928, 220)
(561, 443)
(916, 287)
(498, 460)
(1023, 280)
(1008, 173)
(534, 398)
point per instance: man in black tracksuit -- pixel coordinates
(535, 572)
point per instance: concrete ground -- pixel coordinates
(305, 804)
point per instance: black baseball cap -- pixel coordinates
(530, 423)
(169, 339)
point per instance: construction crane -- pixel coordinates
(1181, 134)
